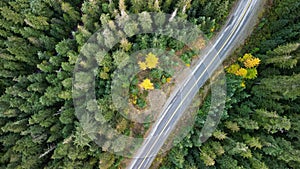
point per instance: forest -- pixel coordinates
(41, 41)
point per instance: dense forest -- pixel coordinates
(40, 43)
(260, 126)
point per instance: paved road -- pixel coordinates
(232, 32)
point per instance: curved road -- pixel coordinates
(232, 32)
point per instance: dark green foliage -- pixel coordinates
(281, 26)
(40, 41)
(260, 126)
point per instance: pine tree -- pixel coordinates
(285, 56)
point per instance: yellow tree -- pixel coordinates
(147, 85)
(241, 72)
(151, 60)
(252, 62)
(143, 65)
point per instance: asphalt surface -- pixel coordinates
(162, 128)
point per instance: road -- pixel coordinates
(232, 32)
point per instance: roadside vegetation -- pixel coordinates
(260, 127)
(39, 45)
